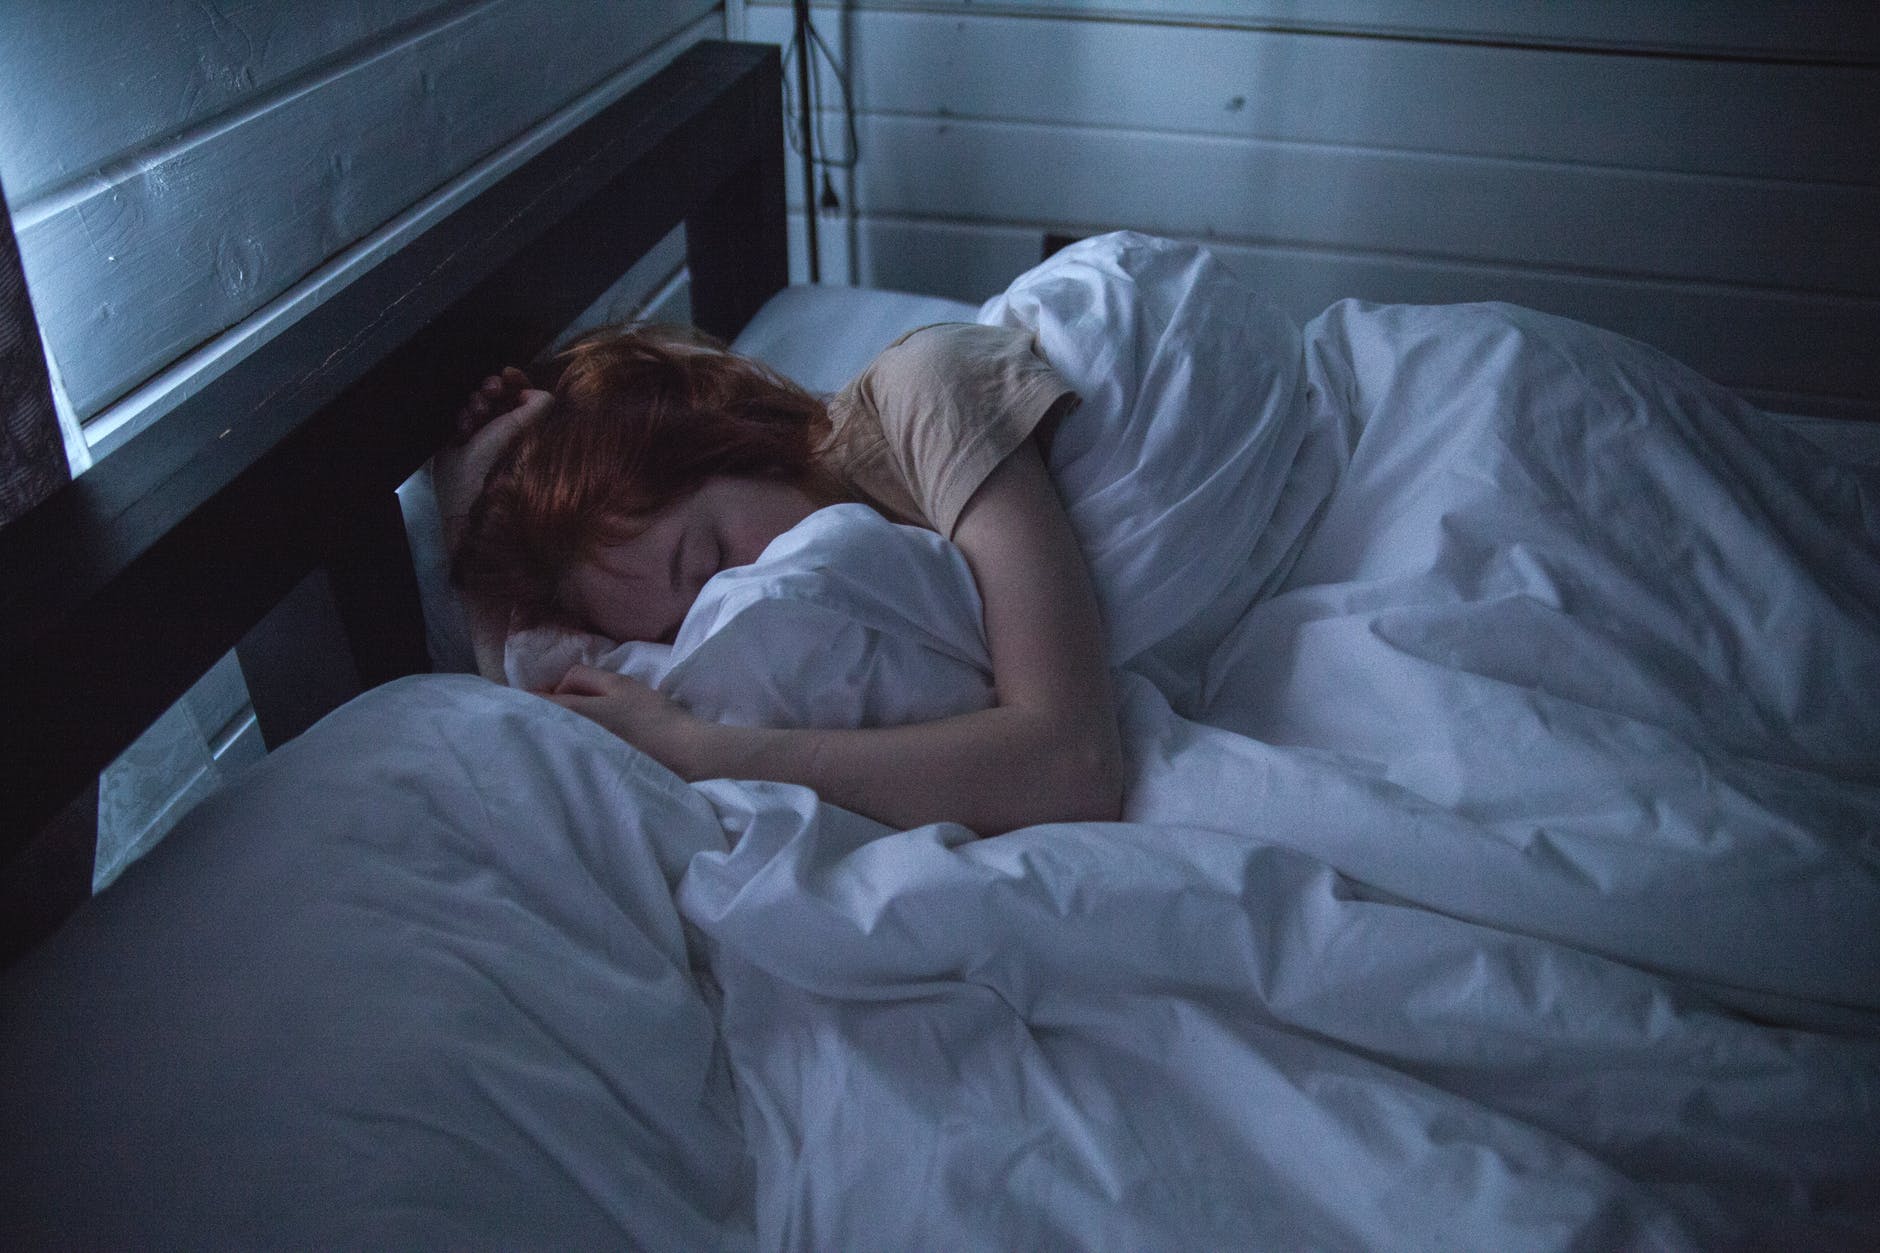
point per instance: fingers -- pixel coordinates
(496, 396)
(530, 405)
(586, 706)
(480, 407)
(633, 711)
(584, 681)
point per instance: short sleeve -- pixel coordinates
(952, 401)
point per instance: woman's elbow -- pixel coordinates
(1090, 779)
(1070, 773)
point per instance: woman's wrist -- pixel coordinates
(715, 750)
(702, 749)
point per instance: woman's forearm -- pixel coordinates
(992, 771)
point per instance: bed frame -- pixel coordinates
(261, 515)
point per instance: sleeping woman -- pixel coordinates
(660, 458)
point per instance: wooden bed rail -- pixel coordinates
(124, 587)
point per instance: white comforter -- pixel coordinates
(1500, 867)
(1513, 886)
(1510, 883)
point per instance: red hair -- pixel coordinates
(643, 415)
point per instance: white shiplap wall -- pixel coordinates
(185, 178)
(1703, 177)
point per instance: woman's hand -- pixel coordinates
(637, 714)
(502, 405)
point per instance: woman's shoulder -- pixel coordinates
(950, 341)
(947, 356)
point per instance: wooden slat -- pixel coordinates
(735, 245)
(47, 879)
(129, 583)
(135, 266)
(162, 69)
(296, 662)
(150, 400)
(1603, 221)
(1721, 207)
(1794, 353)
(632, 292)
(1836, 31)
(1797, 122)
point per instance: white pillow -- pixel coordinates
(846, 620)
(414, 981)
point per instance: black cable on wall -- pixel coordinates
(807, 120)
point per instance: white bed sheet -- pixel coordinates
(1152, 1036)
(414, 981)
(1523, 895)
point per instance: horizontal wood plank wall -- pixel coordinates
(1709, 186)
(179, 166)
(1818, 29)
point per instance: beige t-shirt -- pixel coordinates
(919, 430)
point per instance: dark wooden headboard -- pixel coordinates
(272, 490)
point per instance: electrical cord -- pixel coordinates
(828, 201)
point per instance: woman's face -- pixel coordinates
(641, 587)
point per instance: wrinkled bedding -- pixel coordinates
(1511, 881)
(1501, 866)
